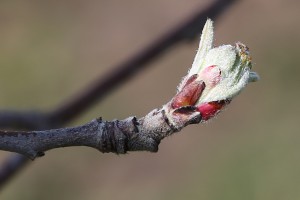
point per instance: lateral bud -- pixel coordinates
(189, 94)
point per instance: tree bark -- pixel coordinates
(117, 136)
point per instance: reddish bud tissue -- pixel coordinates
(189, 94)
(193, 88)
(210, 109)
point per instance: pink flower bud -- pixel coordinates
(211, 75)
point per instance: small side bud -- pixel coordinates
(189, 94)
(210, 109)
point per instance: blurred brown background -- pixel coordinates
(49, 50)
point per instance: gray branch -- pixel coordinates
(118, 136)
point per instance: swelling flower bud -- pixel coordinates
(225, 71)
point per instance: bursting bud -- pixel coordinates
(217, 75)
